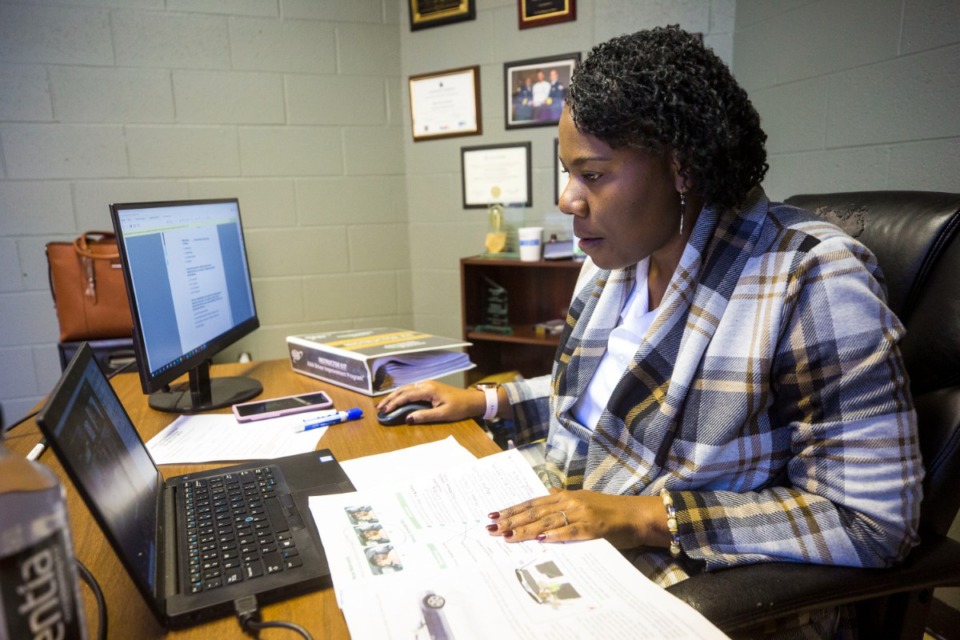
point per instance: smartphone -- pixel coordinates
(276, 407)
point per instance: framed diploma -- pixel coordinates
(537, 13)
(496, 174)
(445, 104)
(434, 13)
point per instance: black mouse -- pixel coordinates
(399, 415)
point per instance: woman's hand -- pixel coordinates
(625, 521)
(449, 403)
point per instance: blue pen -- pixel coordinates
(337, 418)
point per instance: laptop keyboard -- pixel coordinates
(236, 529)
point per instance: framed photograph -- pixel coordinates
(537, 13)
(496, 174)
(435, 13)
(446, 104)
(560, 177)
(534, 90)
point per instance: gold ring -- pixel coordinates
(565, 521)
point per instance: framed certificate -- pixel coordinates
(496, 174)
(445, 104)
(434, 13)
(537, 13)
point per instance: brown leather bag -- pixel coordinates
(87, 285)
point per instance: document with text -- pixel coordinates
(414, 560)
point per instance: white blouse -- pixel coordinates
(635, 319)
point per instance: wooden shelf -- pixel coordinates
(536, 292)
(520, 335)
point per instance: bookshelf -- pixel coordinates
(536, 292)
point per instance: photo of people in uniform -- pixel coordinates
(536, 90)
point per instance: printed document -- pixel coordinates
(414, 560)
(218, 437)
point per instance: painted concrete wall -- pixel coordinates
(291, 105)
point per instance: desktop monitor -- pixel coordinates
(187, 278)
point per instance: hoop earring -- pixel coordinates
(683, 206)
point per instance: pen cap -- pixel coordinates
(354, 414)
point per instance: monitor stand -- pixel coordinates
(203, 393)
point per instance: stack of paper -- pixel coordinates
(396, 371)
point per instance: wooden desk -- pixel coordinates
(127, 613)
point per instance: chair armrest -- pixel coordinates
(742, 597)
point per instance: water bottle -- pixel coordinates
(39, 598)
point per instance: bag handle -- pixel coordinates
(81, 245)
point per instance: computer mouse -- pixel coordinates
(399, 415)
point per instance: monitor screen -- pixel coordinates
(187, 278)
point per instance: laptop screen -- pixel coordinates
(94, 439)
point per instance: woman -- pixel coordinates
(728, 388)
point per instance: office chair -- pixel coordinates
(914, 236)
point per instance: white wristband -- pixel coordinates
(493, 400)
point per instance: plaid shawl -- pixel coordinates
(769, 396)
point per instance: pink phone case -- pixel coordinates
(285, 411)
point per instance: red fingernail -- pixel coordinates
(541, 537)
(508, 534)
(494, 515)
(491, 528)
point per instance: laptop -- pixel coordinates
(193, 544)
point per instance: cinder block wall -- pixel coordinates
(854, 94)
(291, 105)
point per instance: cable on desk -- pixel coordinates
(98, 594)
(248, 614)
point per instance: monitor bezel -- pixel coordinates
(160, 382)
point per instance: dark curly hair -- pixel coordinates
(662, 89)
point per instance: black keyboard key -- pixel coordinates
(253, 570)
(272, 562)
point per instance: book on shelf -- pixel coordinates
(375, 361)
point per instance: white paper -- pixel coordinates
(405, 465)
(195, 439)
(415, 560)
(559, 592)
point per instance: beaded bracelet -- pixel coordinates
(671, 523)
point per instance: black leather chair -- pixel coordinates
(915, 238)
